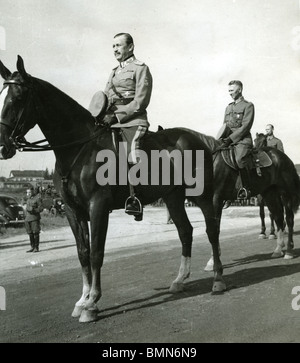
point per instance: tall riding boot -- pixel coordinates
(36, 242)
(31, 237)
(244, 192)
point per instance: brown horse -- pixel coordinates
(77, 143)
(278, 184)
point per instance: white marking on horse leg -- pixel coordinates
(184, 273)
(210, 265)
(280, 244)
(80, 304)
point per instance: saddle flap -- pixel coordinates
(263, 158)
(229, 157)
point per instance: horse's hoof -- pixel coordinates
(277, 254)
(219, 286)
(262, 236)
(288, 256)
(176, 287)
(77, 311)
(88, 316)
(272, 236)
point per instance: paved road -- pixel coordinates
(142, 259)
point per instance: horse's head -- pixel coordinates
(260, 141)
(16, 116)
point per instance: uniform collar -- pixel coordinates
(127, 61)
(239, 100)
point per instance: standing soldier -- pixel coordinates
(273, 141)
(32, 220)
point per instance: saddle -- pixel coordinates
(257, 159)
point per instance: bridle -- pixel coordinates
(21, 143)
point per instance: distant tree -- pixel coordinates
(2, 179)
(46, 174)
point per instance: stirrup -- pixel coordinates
(243, 194)
(133, 206)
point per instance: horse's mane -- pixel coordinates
(211, 142)
(47, 91)
(260, 141)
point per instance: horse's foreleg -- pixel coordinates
(99, 224)
(262, 234)
(81, 233)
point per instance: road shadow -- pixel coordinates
(25, 242)
(257, 258)
(236, 280)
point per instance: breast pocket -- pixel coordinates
(238, 118)
(124, 76)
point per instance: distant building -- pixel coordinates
(35, 176)
(23, 179)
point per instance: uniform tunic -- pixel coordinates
(273, 141)
(133, 81)
(128, 90)
(33, 209)
(239, 117)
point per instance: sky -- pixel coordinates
(193, 49)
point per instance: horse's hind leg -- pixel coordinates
(274, 203)
(289, 216)
(175, 205)
(212, 220)
(272, 234)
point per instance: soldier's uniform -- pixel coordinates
(239, 117)
(273, 141)
(129, 89)
(32, 221)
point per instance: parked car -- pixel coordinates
(11, 212)
(58, 207)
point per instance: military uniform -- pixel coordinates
(32, 220)
(273, 141)
(129, 89)
(239, 117)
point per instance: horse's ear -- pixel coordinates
(21, 68)
(257, 134)
(5, 73)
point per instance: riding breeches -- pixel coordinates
(132, 136)
(241, 154)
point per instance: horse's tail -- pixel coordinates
(292, 183)
(296, 191)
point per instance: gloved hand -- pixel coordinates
(109, 120)
(226, 142)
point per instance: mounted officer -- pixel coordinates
(128, 91)
(273, 141)
(239, 117)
